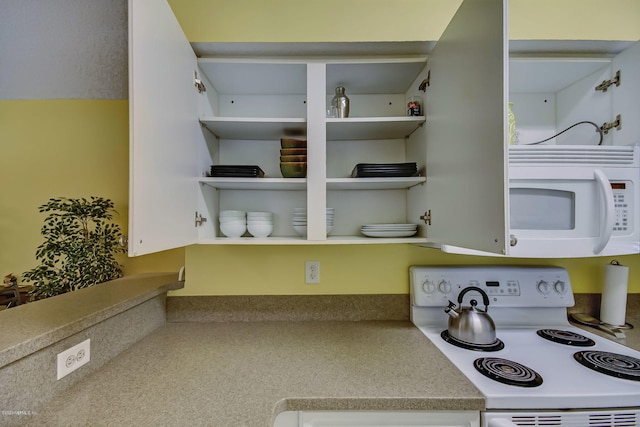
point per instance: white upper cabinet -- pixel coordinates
(233, 103)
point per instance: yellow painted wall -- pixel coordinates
(396, 20)
(363, 269)
(71, 148)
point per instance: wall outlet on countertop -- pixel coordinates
(73, 358)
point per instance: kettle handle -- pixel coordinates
(485, 297)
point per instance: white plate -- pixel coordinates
(388, 233)
(390, 226)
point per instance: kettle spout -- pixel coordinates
(451, 309)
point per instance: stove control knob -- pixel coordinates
(428, 286)
(444, 287)
(560, 287)
(543, 287)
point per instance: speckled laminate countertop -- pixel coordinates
(244, 373)
(40, 324)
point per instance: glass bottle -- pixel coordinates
(340, 103)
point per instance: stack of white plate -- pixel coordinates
(233, 223)
(299, 220)
(260, 224)
(389, 230)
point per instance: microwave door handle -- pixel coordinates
(607, 222)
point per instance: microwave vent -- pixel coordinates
(574, 155)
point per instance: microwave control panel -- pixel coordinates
(623, 204)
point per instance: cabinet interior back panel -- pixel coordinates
(379, 105)
(356, 208)
(255, 78)
(265, 154)
(282, 205)
(238, 105)
(535, 116)
(373, 78)
(345, 155)
(536, 75)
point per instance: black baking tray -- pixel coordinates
(382, 170)
(237, 171)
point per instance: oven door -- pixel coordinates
(390, 418)
(560, 211)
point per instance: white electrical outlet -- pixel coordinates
(312, 272)
(73, 358)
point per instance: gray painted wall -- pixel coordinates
(63, 49)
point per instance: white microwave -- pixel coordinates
(574, 201)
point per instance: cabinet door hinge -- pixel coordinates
(426, 217)
(198, 83)
(200, 219)
(607, 83)
(617, 125)
(426, 82)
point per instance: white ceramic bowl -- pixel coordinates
(233, 228)
(259, 230)
(259, 214)
(232, 213)
(231, 219)
(259, 222)
(300, 229)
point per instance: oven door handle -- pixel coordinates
(609, 217)
(501, 422)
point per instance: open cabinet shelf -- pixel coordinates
(373, 183)
(372, 127)
(287, 184)
(254, 128)
(331, 240)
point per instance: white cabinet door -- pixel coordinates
(626, 97)
(466, 189)
(163, 130)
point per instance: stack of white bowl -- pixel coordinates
(233, 223)
(299, 220)
(260, 224)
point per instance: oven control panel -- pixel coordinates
(506, 286)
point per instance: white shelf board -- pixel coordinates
(299, 184)
(331, 240)
(353, 128)
(255, 128)
(373, 183)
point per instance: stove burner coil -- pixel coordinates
(495, 346)
(507, 372)
(612, 364)
(566, 337)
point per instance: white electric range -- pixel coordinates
(541, 370)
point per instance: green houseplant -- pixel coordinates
(79, 247)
